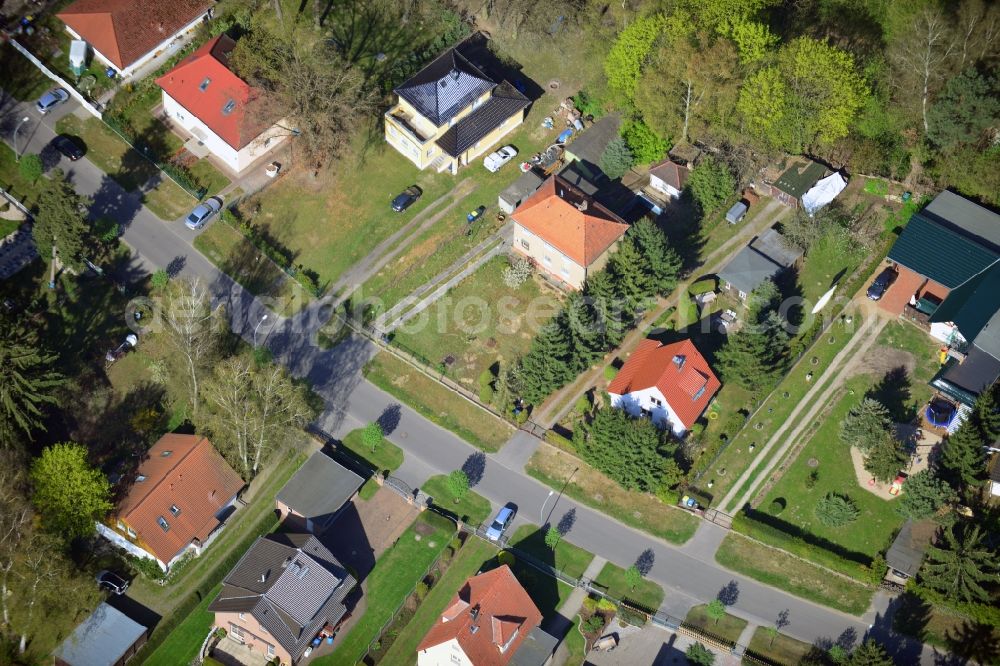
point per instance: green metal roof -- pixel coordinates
(973, 307)
(940, 253)
(799, 177)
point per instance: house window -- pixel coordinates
(743, 295)
(204, 84)
(236, 630)
(564, 271)
(162, 522)
(243, 616)
(392, 131)
(228, 108)
(166, 454)
(430, 150)
(524, 244)
(547, 259)
(130, 532)
(263, 630)
(700, 393)
(174, 509)
(656, 401)
(121, 526)
(270, 649)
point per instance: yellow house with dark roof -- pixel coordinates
(450, 113)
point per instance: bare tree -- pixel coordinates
(15, 527)
(191, 326)
(39, 571)
(922, 54)
(253, 410)
(978, 26)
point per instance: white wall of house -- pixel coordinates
(174, 41)
(126, 545)
(448, 653)
(236, 160)
(995, 488)
(946, 332)
(650, 400)
(548, 258)
(661, 186)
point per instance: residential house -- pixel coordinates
(451, 112)
(566, 232)
(765, 258)
(107, 637)
(908, 548)
(284, 590)
(317, 493)
(490, 622)
(220, 111)
(668, 178)
(177, 501)
(127, 34)
(671, 384)
(585, 151)
(797, 179)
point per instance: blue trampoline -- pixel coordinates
(940, 413)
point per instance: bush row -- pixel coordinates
(280, 256)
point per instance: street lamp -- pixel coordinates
(541, 511)
(17, 153)
(262, 320)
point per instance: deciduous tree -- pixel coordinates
(372, 435)
(922, 54)
(193, 328)
(715, 610)
(458, 485)
(632, 47)
(68, 492)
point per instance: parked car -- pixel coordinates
(497, 159)
(406, 198)
(501, 522)
(112, 582)
(51, 100)
(70, 146)
(881, 284)
(202, 213)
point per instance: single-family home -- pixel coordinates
(492, 621)
(671, 384)
(797, 178)
(178, 500)
(765, 258)
(217, 109)
(315, 495)
(107, 637)
(668, 178)
(451, 112)
(127, 34)
(283, 592)
(567, 233)
(908, 548)
(585, 151)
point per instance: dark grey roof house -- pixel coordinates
(444, 88)
(291, 585)
(317, 493)
(763, 259)
(588, 148)
(907, 550)
(107, 638)
(519, 190)
(800, 175)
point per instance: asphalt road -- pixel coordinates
(688, 574)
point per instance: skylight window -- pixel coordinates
(163, 523)
(140, 478)
(166, 454)
(174, 509)
(204, 84)
(228, 108)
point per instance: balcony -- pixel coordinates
(408, 124)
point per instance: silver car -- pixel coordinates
(202, 213)
(51, 100)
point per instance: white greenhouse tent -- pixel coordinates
(823, 192)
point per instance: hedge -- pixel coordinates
(803, 545)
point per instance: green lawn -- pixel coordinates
(386, 456)
(238, 258)
(728, 628)
(472, 509)
(576, 644)
(183, 643)
(830, 258)
(774, 567)
(782, 650)
(11, 180)
(646, 593)
(571, 560)
(944, 628)
(368, 489)
(643, 511)
(19, 77)
(465, 564)
(478, 323)
(437, 403)
(391, 580)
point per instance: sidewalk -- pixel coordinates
(560, 625)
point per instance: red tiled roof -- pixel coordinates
(553, 213)
(506, 615)
(652, 364)
(125, 30)
(671, 173)
(183, 471)
(209, 102)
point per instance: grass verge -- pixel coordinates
(646, 593)
(571, 560)
(728, 627)
(472, 509)
(181, 646)
(781, 649)
(776, 568)
(588, 486)
(437, 403)
(386, 456)
(390, 581)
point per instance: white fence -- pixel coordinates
(84, 102)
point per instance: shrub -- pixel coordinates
(147, 567)
(590, 604)
(30, 167)
(633, 617)
(160, 279)
(812, 479)
(877, 570)
(506, 557)
(605, 605)
(522, 417)
(645, 144)
(106, 229)
(588, 105)
(421, 590)
(593, 624)
(220, 632)
(777, 506)
(517, 273)
(834, 510)
(617, 159)
(485, 379)
(667, 495)
(558, 441)
(610, 372)
(699, 655)
(582, 405)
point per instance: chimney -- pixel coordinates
(288, 560)
(263, 576)
(474, 614)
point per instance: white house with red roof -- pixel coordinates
(668, 178)
(204, 96)
(672, 384)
